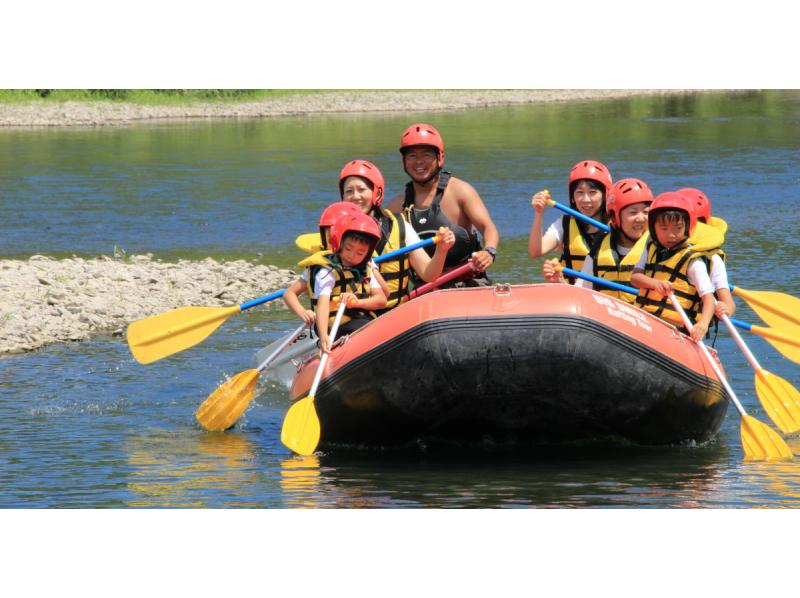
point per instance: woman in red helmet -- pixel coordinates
(588, 185)
(434, 199)
(345, 277)
(619, 250)
(361, 184)
(670, 265)
(715, 254)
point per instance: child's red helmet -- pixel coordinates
(422, 134)
(331, 214)
(368, 171)
(702, 206)
(590, 169)
(671, 200)
(354, 223)
(627, 192)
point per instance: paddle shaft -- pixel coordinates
(576, 214)
(447, 277)
(287, 341)
(708, 357)
(633, 291)
(380, 259)
(324, 359)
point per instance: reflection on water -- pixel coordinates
(185, 470)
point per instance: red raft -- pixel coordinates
(522, 364)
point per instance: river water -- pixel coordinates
(84, 425)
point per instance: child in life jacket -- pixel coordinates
(619, 250)
(588, 185)
(300, 286)
(344, 276)
(718, 271)
(669, 265)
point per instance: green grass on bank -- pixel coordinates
(144, 96)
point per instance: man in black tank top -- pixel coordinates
(435, 198)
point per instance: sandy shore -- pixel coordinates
(44, 300)
(44, 114)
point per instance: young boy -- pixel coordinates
(345, 277)
(718, 271)
(619, 251)
(670, 266)
(328, 217)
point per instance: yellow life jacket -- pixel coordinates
(609, 266)
(674, 269)
(576, 245)
(347, 280)
(397, 272)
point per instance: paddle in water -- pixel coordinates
(227, 403)
(301, 428)
(759, 441)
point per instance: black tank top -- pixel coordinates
(427, 222)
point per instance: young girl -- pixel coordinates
(619, 251)
(361, 183)
(669, 265)
(719, 273)
(345, 277)
(589, 183)
(328, 217)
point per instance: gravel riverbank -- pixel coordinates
(54, 114)
(44, 300)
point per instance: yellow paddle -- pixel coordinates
(760, 442)
(227, 403)
(301, 430)
(164, 334)
(780, 399)
(309, 242)
(776, 309)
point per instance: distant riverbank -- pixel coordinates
(52, 113)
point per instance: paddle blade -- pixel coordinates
(310, 242)
(776, 309)
(780, 400)
(226, 404)
(162, 335)
(786, 340)
(760, 442)
(301, 429)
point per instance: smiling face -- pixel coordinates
(421, 162)
(358, 191)
(633, 220)
(588, 198)
(353, 251)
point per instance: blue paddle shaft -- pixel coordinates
(576, 214)
(383, 258)
(626, 289)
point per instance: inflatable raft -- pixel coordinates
(522, 364)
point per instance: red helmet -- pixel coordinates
(590, 169)
(331, 214)
(670, 201)
(367, 171)
(422, 134)
(702, 206)
(627, 192)
(354, 223)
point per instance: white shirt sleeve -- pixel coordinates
(642, 262)
(719, 274)
(323, 283)
(588, 268)
(698, 276)
(556, 230)
(411, 235)
(304, 276)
